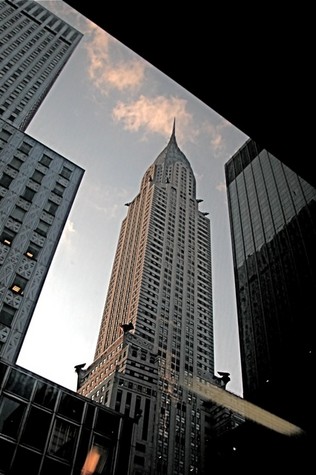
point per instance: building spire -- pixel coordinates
(174, 127)
(173, 133)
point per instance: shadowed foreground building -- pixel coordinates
(273, 225)
(37, 189)
(47, 429)
(156, 335)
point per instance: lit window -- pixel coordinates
(33, 251)
(7, 237)
(19, 285)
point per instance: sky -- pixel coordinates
(111, 113)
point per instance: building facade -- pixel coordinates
(273, 227)
(156, 335)
(35, 45)
(37, 189)
(46, 429)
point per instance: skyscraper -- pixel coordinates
(156, 334)
(37, 189)
(273, 225)
(37, 185)
(35, 45)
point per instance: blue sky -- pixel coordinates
(111, 113)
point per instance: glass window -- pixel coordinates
(16, 163)
(51, 207)
(45, 395)
(106, 423)
(19, 383)
(42, 228)
(59, 189)
(98, 459)
(11, 415)
(5, 135)
(6, 314)
(66, 172)
(37, 176)
(36, 428)
(6, 180)
(71, 407)
(6, 451)
(63, 439)
(33, 251)
(45, 160)
(55, 467)
(25, 147)
(89, 415)
(28, 194)
(19, 284)
(26, 460)
(18, 214)
(7, 236)
(3, 369)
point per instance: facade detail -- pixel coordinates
(156, 334)
(35, 45)
(37, 189)
(273, 225)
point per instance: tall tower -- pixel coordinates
(156, 334)
(37, 185)
(35, 45)
(273, 225)
(37, 189)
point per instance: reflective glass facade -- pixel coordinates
(273, 226)
(46, 429)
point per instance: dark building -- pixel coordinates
(273, 227)
(46, 429)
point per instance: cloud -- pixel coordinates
(156, 115)
(68, 233)
(221, 186)
(216, 132)
(107, 200)
(103, 70)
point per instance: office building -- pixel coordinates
(46, 429)
(35, 45)
(273, 226)
(37, 189)
(156, 335)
